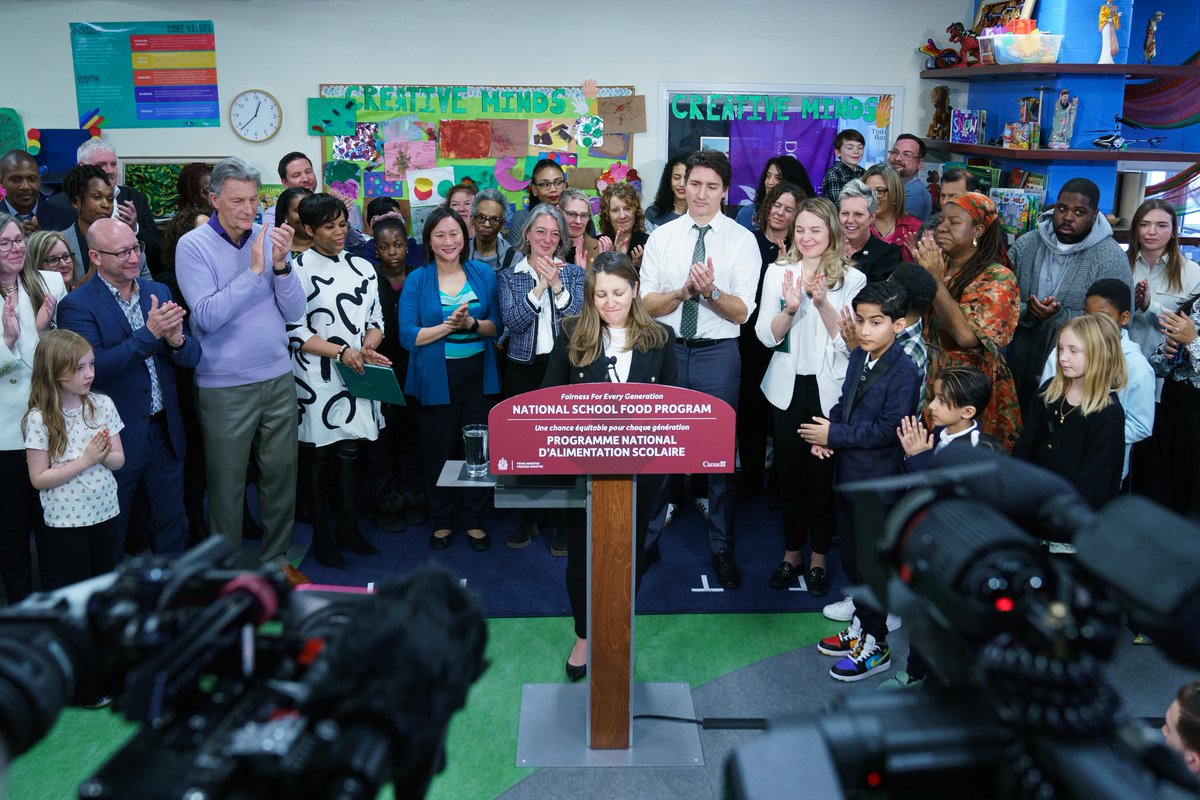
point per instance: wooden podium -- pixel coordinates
(611, 433)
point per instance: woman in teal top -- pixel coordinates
(449, 321)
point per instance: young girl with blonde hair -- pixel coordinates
(1076, 426)
(73, 446)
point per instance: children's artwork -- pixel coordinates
(584, 178)
(344, 190)
(428, 187)
(509, 137)
(401, 156)
(481, 176)
(589, 131)
(550, 134)
(329, 116)
(464, 138)
(563, 157)
(623, 114)
(405, 128)
(341, 171)
(362, 146)
(506, 179)
(12, 136)
(614, 146)
(418, 215)
(376, 184)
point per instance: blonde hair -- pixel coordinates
(1104, 363)
(34, 286)
(833, 261)
(39, 246)
(642, 333)
(54, 360)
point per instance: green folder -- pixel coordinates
(376, 383)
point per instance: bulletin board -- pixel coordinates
(413, 143)
(754, 122)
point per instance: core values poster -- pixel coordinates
(146, 74)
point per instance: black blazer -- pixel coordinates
(877, 259)
(652, 366)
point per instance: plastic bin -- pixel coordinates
(1025, 48)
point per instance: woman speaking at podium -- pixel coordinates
(613, 340)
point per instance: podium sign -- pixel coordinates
(611, 429)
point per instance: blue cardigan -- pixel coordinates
(421, 307)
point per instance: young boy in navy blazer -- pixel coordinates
(959, 393)
(881, 388)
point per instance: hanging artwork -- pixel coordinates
(462, 139)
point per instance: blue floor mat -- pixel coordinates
(529, 582)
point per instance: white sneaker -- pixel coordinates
(893, 622)
(702, 506)
(670, 516)
(841, 611)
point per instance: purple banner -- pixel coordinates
(175, 94)
(752, 142)
(203, 114)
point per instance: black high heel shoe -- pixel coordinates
(440, 542)
(576, 674)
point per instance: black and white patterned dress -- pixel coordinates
(343, 303)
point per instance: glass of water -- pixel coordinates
(475, 445)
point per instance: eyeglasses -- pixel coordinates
(54, 261)
(881, 190)
(579, 216)
(557, 183)
(123, 255)
(903, 156)
(480, 219)
(6, 245)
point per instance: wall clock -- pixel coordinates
(255, 115)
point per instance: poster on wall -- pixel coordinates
(755, 122)
(413, 143)
(146, 74)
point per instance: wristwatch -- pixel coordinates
(287, 267)
(716, 295)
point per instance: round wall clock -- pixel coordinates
(255, 115)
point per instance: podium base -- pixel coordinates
(554, 728)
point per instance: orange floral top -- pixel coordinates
(991, 305)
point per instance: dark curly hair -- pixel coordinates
(188, 186)
(664, 198)
(76, 181)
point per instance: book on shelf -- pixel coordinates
(968, 127)
(1018, 210)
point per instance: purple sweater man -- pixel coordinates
(239, 284)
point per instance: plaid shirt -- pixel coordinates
(837, 177)
(133, 314)
(912, 342)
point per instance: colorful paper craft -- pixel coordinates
(12, 136)
(376, 184)
(614, 146)
(401, 156)
(342, 171)
(561, 157)
(482, 176)
(550, 134)
(509, 138)
(589, 131)
(344, 190)
(464, 138)
(504, 175)
(331, 116)
(362, 146)
(428, 187)
(623, 114)
(405, 128)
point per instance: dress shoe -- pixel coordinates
(558, 542)
(440, 542)
(785, 574)
(728, 574)
(576, 673)
(522, 536)
(817, 582)
(352, 539)
(478, 543)
(294, 576)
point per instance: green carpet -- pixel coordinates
(482, 746)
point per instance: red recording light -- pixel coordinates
(874, 779)
(1004, 604)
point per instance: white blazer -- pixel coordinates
(16, 365)
(780, 379)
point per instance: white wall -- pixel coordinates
(638, 42)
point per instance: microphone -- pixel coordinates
(613, 377)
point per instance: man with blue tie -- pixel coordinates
(699, 277)
(22, 183)
(137, 332)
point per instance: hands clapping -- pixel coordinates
(166, 321)
(98, 448)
